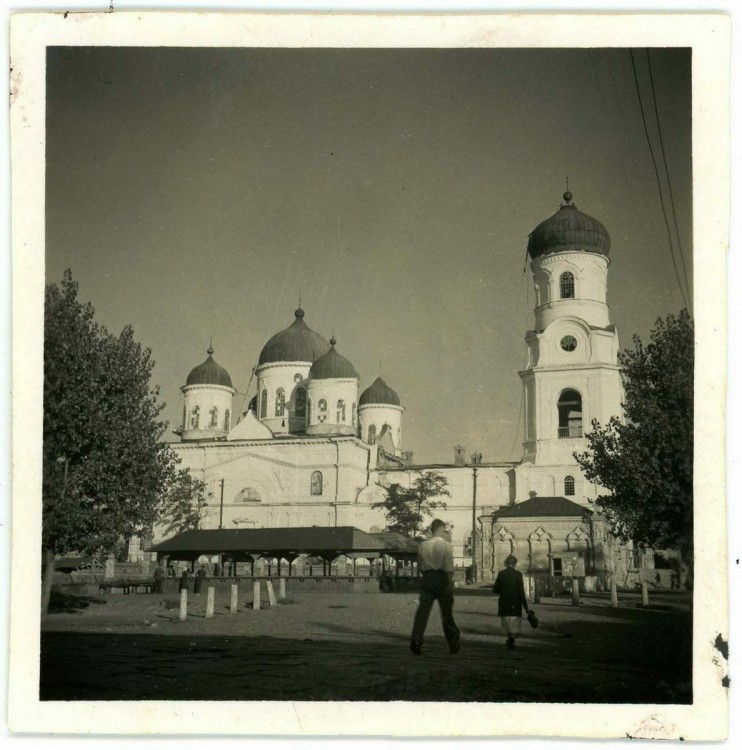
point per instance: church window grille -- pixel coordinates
(298, 378)
(280, 401)
(322, 405)
(226, 420)
(372, 434)
(570, 414)
(263, 403)
(316, 485)
(301, 402)
(567, 285)
(213, 417)
(195, 416)
(340, 411)
(569, 486)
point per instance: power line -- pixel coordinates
(657, 177)
(667, 176)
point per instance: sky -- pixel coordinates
(197, 193)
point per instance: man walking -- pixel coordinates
(435, 561)
(512, 601)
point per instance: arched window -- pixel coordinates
(263, 403)
(213, 416)
(570, 414)
(569, 486)
(372, 434)
(316, 486)
(353, 416)
(226, 421)
(322, 405)
(185, 416)
(195, 415)
(248, 495)
(340, 416)
(280, 401)
(309, 411)
(567, 285)
(298, 378)
(301, 402)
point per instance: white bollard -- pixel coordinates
(282, 590)
(184, 604)
(575, 592)
(256, 595)
(210, 602)
(614, 593)
(271, 593)
(645, 594)
(233, 599)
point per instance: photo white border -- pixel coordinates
(707, 34)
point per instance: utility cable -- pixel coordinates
(657, 177)
(667, 176)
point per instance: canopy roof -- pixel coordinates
(315, 540)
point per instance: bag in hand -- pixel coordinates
(532, 619)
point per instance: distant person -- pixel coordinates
(512, 600)
(435, 561)
(159, 574)
(183, 581)
(200, 577)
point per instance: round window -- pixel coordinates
(568, 343)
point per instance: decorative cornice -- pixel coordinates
(207, 387)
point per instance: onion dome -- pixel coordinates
(209, 373)
(297, 343)
(332, 365)
(568, 229)
(379, 393)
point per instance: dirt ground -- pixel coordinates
(354, 646)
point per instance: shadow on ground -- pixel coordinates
(68, 603)
(618, 661)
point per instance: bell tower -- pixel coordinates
(572, 374)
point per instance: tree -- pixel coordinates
(184, 504)
(406, 508)
(105, 467)
(646, 461)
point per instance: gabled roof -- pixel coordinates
(302, 539)
(537, 507)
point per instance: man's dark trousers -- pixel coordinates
(435, 584)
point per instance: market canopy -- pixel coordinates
(287, 542)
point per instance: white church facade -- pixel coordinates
(314, 449)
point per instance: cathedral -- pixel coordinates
(311, 450)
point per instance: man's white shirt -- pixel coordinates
(435, 554)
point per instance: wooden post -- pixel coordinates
(183, 604)
(282, 590)
(210, 602)
(271, 593)
(645, 594)
(536, 591)
(614, 593)
(233, 599)
(256, 595)
(575, 592)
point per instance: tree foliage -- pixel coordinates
(646, 461)
(104, 465)
(184, 504)
(406, 508)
